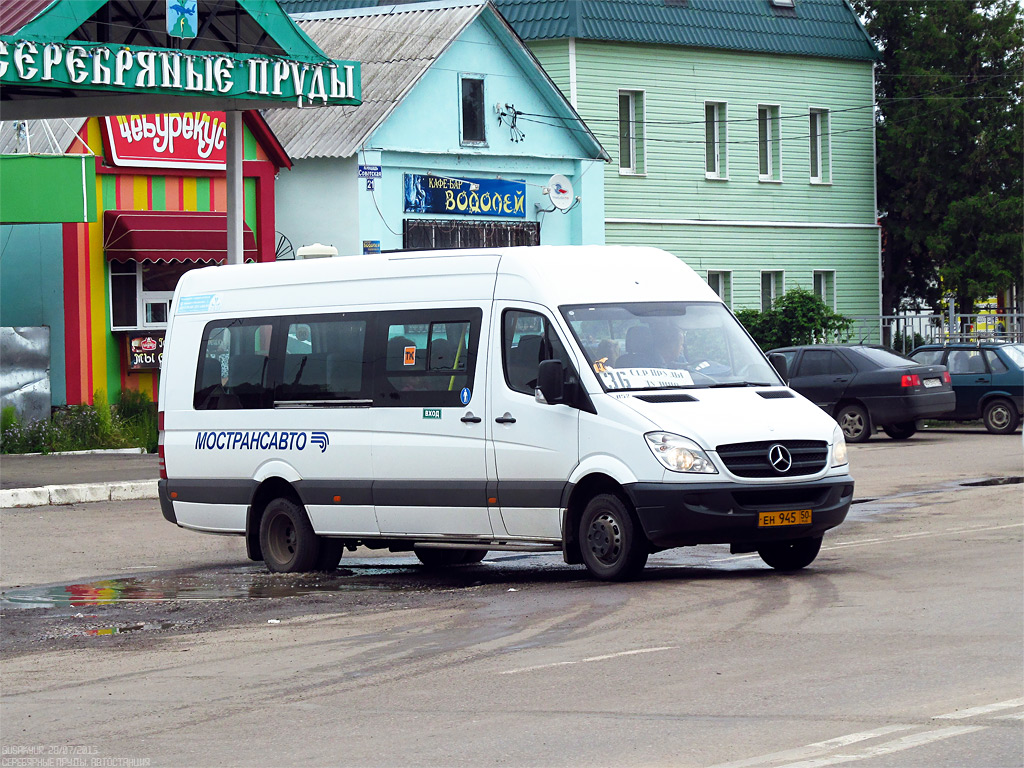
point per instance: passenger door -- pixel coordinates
(822, 376)
(970, 378)
(535, 445)
(429, 450)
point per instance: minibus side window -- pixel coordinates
(324, 359)
(427, 358)
(234, 365)
(527, 340)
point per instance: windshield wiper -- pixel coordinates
(739, 384)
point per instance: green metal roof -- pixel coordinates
(824, 28)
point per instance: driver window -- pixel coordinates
(528, 340)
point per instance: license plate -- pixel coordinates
(932, 383)
(789, 517)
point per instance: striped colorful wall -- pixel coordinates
(95, 357)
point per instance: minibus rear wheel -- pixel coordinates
(287, 539)
(433, 557)
(330, 553)
(791, 555)
(614, 547)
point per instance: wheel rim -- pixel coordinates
(852, 424)
(604, 538)
(999, 416)
(281, 538)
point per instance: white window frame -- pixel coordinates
(724, 279)
(778, 286)
(822, 141)
(772, 142)
(111, 266)
(828, 277)
(721, 138)
(463, 141)
(147, 298)
(637, 131)
(142, 300)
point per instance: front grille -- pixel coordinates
(752, 459)
(781, 497)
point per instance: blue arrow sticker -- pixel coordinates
(465, 395)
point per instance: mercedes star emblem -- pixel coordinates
(780, 458)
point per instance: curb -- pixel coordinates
(96, 452)
(56, 495)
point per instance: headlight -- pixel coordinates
(679, 454)
(839, 448)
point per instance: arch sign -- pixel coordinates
(121, 69)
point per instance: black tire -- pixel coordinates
(287, 539)
(440, 558)
(613, 545)
(1000, 417)
(330, 554)
(901, 431)
(790, 555)
(855, 423)
(473, 556)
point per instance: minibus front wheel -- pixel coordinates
(287, 539)
(791, 555)
(612, 543)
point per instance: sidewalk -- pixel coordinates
(40, 480)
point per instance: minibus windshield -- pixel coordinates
(667, 345)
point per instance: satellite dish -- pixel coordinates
(560, 192)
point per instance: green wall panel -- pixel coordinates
(69, 181)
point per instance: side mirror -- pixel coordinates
(781, 366)
(551, 382)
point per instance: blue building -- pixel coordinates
(436, 156)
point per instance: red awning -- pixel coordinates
(171, 236)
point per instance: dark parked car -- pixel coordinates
(864, 387)
(988, 379)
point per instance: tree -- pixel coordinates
(950, 146)
(796, 317)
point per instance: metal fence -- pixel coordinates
(904, 332)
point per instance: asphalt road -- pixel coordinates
(902, 645)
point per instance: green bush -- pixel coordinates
(796, 317)
(132, 423)
(8, 418)
(137, 415)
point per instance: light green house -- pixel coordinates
(742, 134)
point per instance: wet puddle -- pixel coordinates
(995, 481)
(141, 627)
(249, 583)
(253, 582)
(862, 509)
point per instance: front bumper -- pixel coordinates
(678, 515)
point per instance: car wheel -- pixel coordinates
(791, 555)
(901, 431)
(287, 539)
(440, 558)
(855, 423)
(330, 554)
(1000, 417)
(471, 556)
(614, 547)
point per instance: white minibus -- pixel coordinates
(600, 401)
